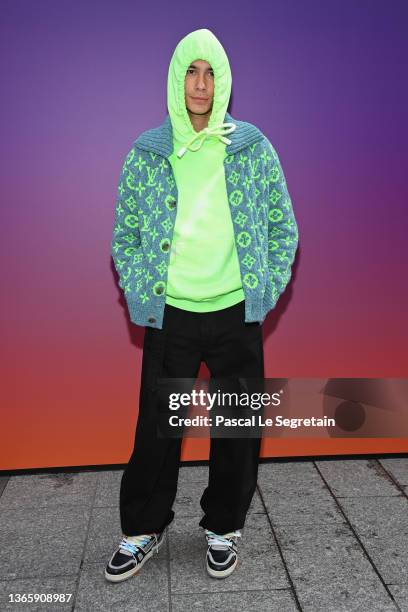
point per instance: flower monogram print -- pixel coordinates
(265, 229)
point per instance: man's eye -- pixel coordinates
(191, 70)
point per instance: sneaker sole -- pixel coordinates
(222, 573)
(134, 570)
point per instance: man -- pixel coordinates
(204, 241)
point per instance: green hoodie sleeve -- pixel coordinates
(283, 235)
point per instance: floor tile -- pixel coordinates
(398, 467)
(259, 565)
(357, 477)
(47, 543)
(297, 508)
(347, 597)
(279, 600)
(49, 490)
(146, 591)
(323, 554)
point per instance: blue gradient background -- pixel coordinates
(324, 80)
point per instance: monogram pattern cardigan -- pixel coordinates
(265, 228)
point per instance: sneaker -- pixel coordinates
(132, 553)
(222, 556)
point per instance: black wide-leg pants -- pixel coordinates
(230, 348)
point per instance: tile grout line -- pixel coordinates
(168, 568)
(268, 518)
(230, 592)
(36, 577)
(4, 485)
(91, 507)
(357, 537)
(393, 479)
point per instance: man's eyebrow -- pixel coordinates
(194, 66)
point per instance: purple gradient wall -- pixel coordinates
(325, 81)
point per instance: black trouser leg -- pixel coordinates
(149, 482)
(230, 347)
(236, 350)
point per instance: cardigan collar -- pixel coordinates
(160, 139)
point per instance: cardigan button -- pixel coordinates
(165, 246)
(151, 320)
(170, 202)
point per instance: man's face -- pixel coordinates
(199, 87)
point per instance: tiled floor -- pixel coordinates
(320, 536)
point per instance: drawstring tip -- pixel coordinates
(181, 151)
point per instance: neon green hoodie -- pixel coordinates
(204, 273)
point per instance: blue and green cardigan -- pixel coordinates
(265, 229)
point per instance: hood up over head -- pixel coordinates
(198, 45)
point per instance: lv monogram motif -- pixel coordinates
(266, 233)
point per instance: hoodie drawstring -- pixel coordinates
(218, 130)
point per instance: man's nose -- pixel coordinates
(200, 82)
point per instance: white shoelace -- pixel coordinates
(221, 542)
(131, 543)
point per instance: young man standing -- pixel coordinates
(203, 242)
